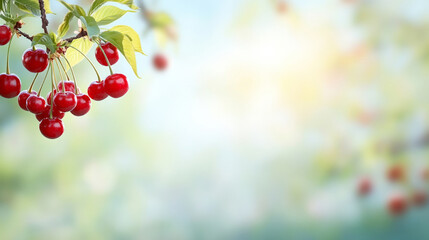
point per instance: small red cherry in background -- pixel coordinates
(49, 97)
(282, 7)
(364, 186)
(5, 34)
(36, 104)
(51, 128)
(160, 62)
(96, 91)
(22, 99)
(46, 113)
(111, 54)
(397, 204)
(116, 85)
(65, 101)
(395, 173)
(425, 174)
(10, 85)
(69, 86)
(419, 198)
(35, 60)
(83, 105)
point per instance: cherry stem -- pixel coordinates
(32, 83)
(95, 69)
(105, 56)
(54, 76)
(59, 70)
(71, 69)
(46, 75)
(52, 92)
(64, 69)
(8, 51)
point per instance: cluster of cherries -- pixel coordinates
(66, 96)
(397, 203)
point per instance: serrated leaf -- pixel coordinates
(65, 25)
(98, 3)
(33, 6)
(133, 36)
(91, 25)
(83, 44)
(108, 14)
(46, 40)
(124, 45)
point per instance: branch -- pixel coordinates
(24, 35)
(45, 21)
(82, 33)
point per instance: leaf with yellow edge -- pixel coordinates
(83, 44)
(108, 14)
(132, 34)
(124, 45)
(33, 6)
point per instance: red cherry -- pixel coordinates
(51, 128)
(49, 97)
(10, 85)
(46, 113)
(111, 53)
(35, 60)
(160, 62)
(419, 198)
(22, 98)
(68, 84)
(83, 105)
(36, 104)
(364, 186)
(96, 91)
(395, 173)
(65, 101)
(116, 85)
(5, 34)
(397, 204)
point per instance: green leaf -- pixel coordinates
(124, 45)
(83, 44)
(46, 40)
(4, 6)
(133, 36)
(160, 20)
(108, 14)
(88, 21)
(68, 6)
(33, 6)
(77, 11)
(65, 25)
(98, 3)
(91, 25)
(8, 19)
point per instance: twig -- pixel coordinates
(21, 33)
(45, 21)
(82, 33)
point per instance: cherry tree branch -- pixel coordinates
(24, 35)
(81, 34)
(45, 21)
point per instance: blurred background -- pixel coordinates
(269, 115)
